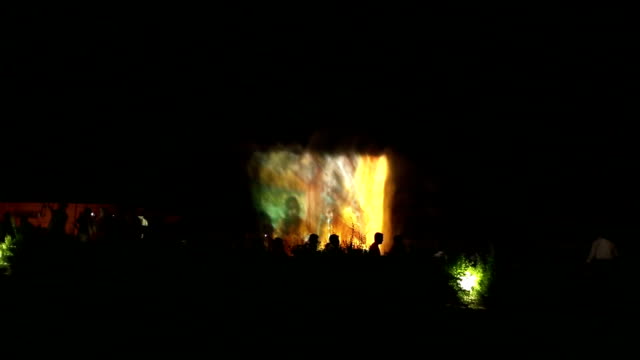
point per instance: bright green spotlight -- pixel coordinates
(471, 279)
(6, 251)
(468, 281)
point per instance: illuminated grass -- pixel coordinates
(471, 280)
(6, 251)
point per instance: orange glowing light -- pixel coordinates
(303, 193)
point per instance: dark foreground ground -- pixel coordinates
(240, 306)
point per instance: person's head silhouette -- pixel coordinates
(277, 246)
(378, 238)
(314, 240)
(334, 240)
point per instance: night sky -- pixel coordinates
(505, 122)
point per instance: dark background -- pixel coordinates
(505, 117)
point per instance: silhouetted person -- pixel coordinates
(374, 249)
(110, 225)
(7, 227)
(602, 250)
(83, 224)
(602, 256)
(26, 228)
(254, 243)
(28, 245)
(58, 222)
(277, 248)
(128, 226)
(314, 241)
(602, 262)
(398, 248)
(143, 226)
(333, 246)
(309, 248)
(100, 223)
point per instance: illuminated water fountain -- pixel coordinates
(306, 192)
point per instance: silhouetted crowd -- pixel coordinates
(127, 239)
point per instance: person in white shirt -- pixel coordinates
(602, 262)
(602, 250)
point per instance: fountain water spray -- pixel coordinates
(304, 192)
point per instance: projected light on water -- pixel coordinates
(304, 192)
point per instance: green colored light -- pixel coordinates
(468, 281)
(302, 192)
(6, 250)
(471, 279)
